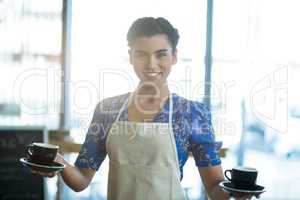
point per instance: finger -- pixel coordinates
(257, 196)
(49, 175)
(59, 158)
(241, 196)
(238, 197)
(35, 172)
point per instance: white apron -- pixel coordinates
(143, 162)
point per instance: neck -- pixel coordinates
(147, 101)
(152, 93)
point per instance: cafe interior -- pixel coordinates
(59, 58)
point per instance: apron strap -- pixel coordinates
(170, 110)
(124, 106)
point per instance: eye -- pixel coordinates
(139, 55)
(162, 55)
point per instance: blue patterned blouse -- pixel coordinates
(191, 127)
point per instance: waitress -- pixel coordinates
(147, 134)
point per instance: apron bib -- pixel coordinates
(143, 162)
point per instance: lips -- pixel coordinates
(152, 75)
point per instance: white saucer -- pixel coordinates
(54, 167)
(227, 186)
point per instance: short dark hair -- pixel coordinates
(150, 26)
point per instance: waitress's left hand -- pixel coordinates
(243, 196)
(60, 159)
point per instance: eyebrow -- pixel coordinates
(161, 51)
(158, 51)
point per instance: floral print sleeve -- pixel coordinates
(93, 150)
(203, 145)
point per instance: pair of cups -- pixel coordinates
(41, 153)
(242, 177)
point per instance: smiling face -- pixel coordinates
(152, 58)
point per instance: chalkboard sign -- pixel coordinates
(16, 182)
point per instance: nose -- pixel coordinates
(152, 62)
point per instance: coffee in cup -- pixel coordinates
(242, 177)
(42, 153)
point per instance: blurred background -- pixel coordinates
(59, 58)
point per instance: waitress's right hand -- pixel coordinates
(59, 158)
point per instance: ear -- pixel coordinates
(174, 57)
(130, 56)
